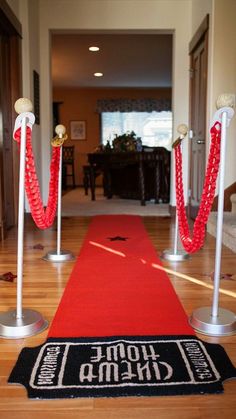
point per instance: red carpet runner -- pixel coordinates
(114, 290)
(120, 329)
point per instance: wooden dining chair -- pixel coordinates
(68, 169)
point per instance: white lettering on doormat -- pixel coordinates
(121, 363)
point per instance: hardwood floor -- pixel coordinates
(44, 283)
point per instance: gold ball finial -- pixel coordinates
(23, 105)
(225, 100)
(182, 129)
(60, 130)
(61, 136)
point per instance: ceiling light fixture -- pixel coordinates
(98, 74)
(93, 48)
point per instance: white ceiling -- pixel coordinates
(127, 60)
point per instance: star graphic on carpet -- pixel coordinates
(118, 238)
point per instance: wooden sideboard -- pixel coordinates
(141, 175)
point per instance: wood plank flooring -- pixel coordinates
(44, 283)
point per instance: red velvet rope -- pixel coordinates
(193, 244)
(42, 218)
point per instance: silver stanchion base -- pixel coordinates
(30, 324)
(170, 255)
(63, 256)
(222, 325)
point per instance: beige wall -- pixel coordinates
(80, 104)
(108, 15)
(182, 17)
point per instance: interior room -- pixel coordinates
(134, 93)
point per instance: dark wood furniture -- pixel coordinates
(134, 175)
(68, 169)
(87, 177)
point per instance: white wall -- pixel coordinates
(180, 16)
(28, 14)
(34, 55)
(14, 5)
(115, 15)
(224, 71)
(29, 18)
(221, 64)
(200, 8)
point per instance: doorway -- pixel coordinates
(198, 51)
(136, 73)
(10, 32)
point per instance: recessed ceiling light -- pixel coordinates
(93, 48)
(98, 74)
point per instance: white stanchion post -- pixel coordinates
(59, 255)
(21, 322)
(59, 206)
(175, 254)
(213, 320)
(220, 216)
(176, 234)
(20, 244)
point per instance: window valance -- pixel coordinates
(133, 105)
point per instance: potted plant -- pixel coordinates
(125, 142)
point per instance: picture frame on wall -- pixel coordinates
(78, 130)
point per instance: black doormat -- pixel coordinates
(122, 366)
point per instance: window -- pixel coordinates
(154, 128)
